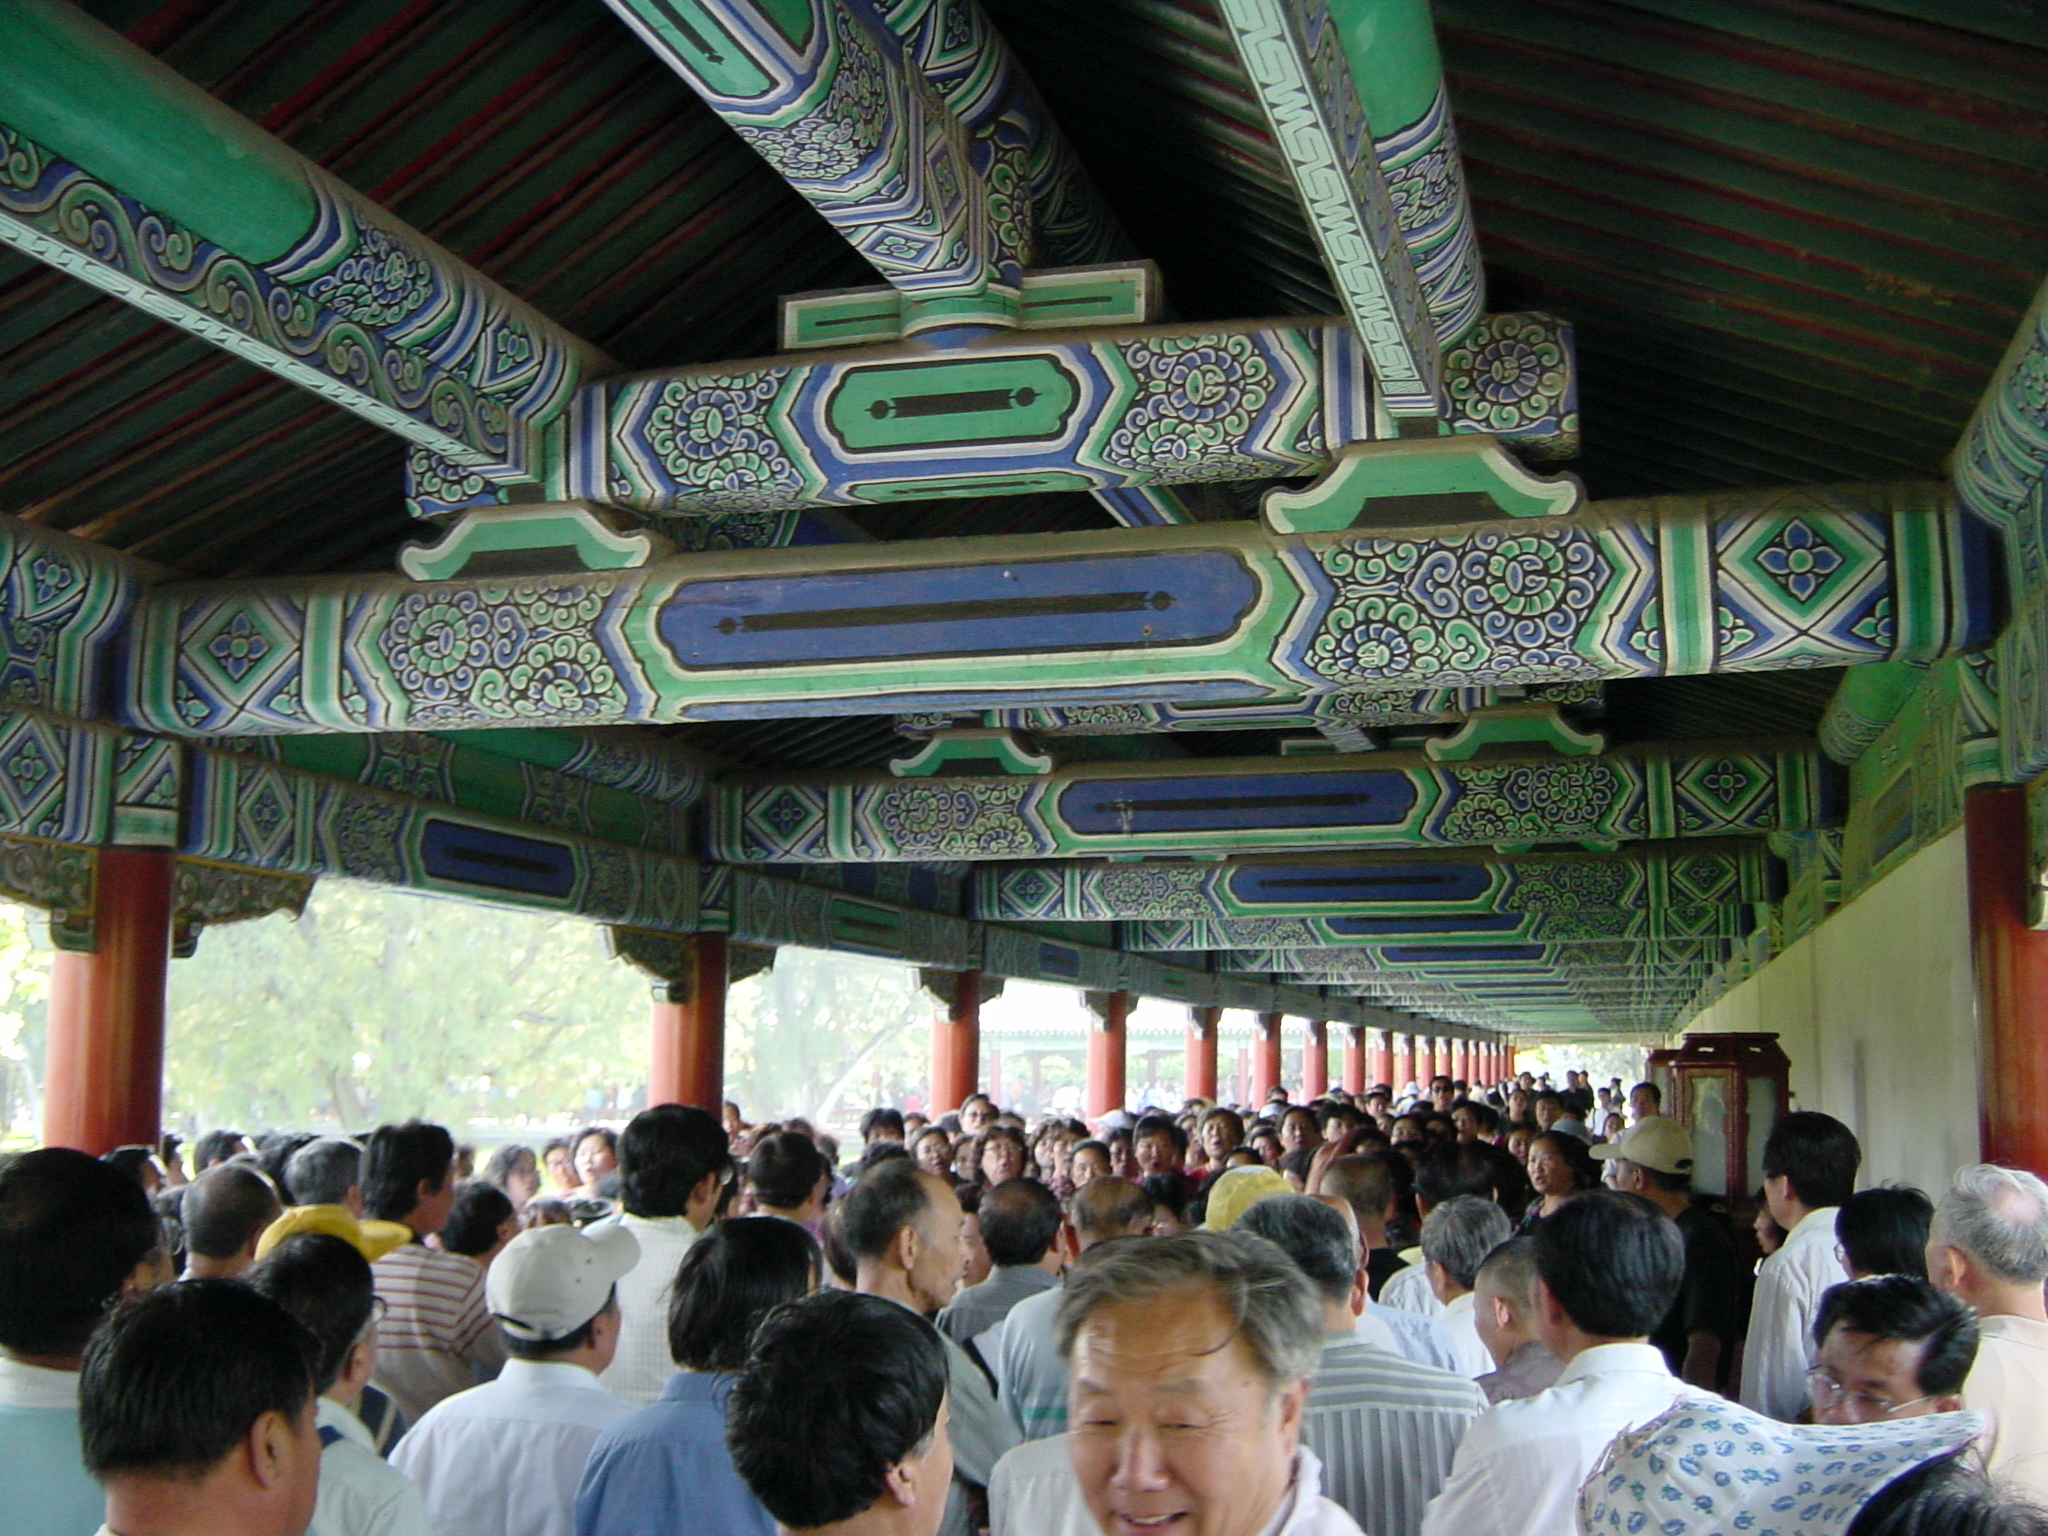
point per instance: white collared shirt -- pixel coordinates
(1033, 1492)
(1461, 1321)
(1409, 1289)
(1788, 1291)
(2008, 1383)
(642, 1366)
(361, 1494)
(1522, 1462)
(504, 1459)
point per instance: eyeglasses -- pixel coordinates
(1827, 1391)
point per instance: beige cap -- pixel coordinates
(372, 1239)
(1655, 1141)
(1233, 1194)
(550, 1281)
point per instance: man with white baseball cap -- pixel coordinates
(507, 1456)
(1698, 1336)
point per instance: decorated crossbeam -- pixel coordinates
(1378, 800)
(122, 173)
(1653, 925)
(2001, 465)
(1737, 582)
(1490, 965)
(1005, 413)
(541, 778)
(1393, 887)
(65, 602)
(1348, 710)
(1294, 58)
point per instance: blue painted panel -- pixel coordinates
(1057, 960)
(1195, 597)
(497, 861)
(1289, 883)
(1429, 954)
(1244, 801)
(1478, 922)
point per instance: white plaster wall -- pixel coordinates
(1877, 1010)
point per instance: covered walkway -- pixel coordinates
(1438, 528)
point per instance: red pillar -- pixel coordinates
(1379, 1057)
(1404, 1061)
(688, 1064)
(1265, 1058)
(103, 1085)
(1203, 1024)
(1354, 1058)
(956, 1045)
(1315, 1060)
(1439, 1057)
(2012, 979)
(1461, 1062)
(1106, 1054)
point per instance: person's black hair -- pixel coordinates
(72, 1230)
(878, 1152)
(130, 1160)
(274, 1152)
(323, 1281)
(324, 1170)
(1578, 1157)
(397, 1160)
(1656, 1094)
(733, 1276)
(175, 1378)
(1613, 1261)
(1817, 1155)
(1019, 1220)
(499, 1166)
(1319, 1241)
(785, 1169)
(226, 1208)
(1161, 1125)
(881, 1118)
(1484, 1116)
(1452, 1169)
(473, 1220)
(832, 1244)
(604, 1133)
(665, 1153)
(216, 1146)
(1908, 1308)
(1947, 1496)
(839, 1388)
(885, 1201)
(1883, 1231)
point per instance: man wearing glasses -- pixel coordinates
(1889, 1347)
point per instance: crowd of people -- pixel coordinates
(1463, 1310)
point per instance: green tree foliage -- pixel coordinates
(24, 998)
(376, 1005)
(820, 1034)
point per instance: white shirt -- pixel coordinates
(1461, 1322)
(1033, 1492)
(1409, 1289)
(642, 1366)
(2008, 1383)
(1519, 1470)
(361, 1494)
(504, 1459)
(1788, 1291)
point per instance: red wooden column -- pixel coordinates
(1404, 1061)
(1440, 1054)
(688, 1065)
(1354, 1058)
(1315, 1060)
(1106, 1052)
(1379, 1057)
(103, 1085)
(1203, 1024)
(1461, 1059)
(1265, 1058)
(956, 1044)
(2012, 979)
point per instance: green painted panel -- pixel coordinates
(107, 106)
(1391, 47)
(1017, 398)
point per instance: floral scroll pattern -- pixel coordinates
(501, 652)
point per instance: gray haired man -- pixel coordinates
(1456, 1238)
(1989, 1247)
(1385, 1428)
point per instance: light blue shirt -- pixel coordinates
(667, 1458)
(43, 1482)
(1422, 1339)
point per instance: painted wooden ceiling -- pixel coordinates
(1793, 237)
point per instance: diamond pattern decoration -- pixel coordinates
(240, 664)
(1812, 584)
(1732, 790)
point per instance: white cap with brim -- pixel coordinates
(1711, 1468)
(1656, 1141)
(550, 1281)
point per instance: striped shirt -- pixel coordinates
(437, 1337)
(1385, 1430)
